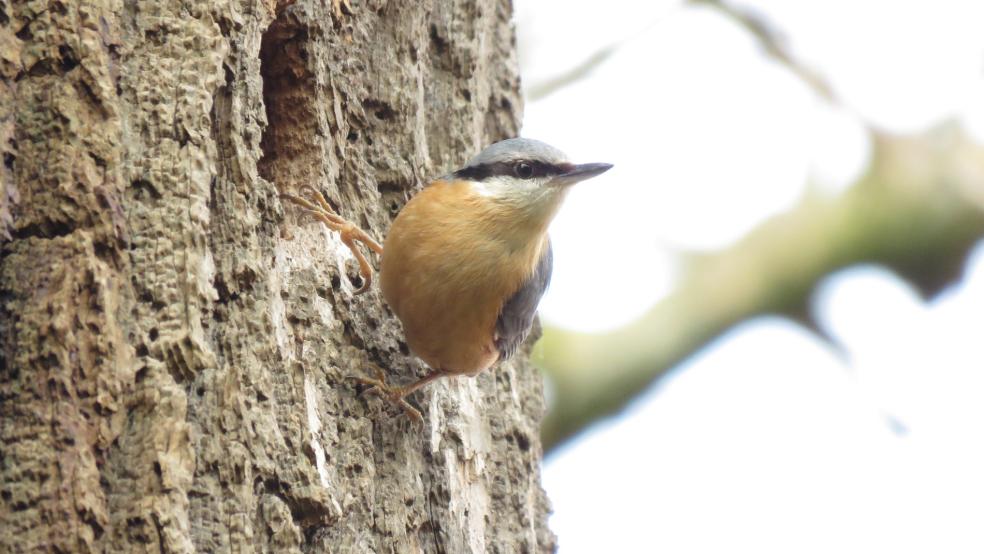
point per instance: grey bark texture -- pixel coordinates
(176, 345)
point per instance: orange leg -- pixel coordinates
(397, 395)
(349, 233)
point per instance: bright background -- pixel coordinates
(769, 440)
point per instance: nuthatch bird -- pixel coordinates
(467, 259)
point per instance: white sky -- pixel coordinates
(767, 441)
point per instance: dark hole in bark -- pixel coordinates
(289, 141)
(69, 60)
(24, 33)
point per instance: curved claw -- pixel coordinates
(396, 395)
(350, 234)
(365, 270)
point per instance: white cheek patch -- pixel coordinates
(509, 189)
(483, 189)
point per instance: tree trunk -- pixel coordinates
(176, 345)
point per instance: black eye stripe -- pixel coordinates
(508, 169)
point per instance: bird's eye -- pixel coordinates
(524, 170)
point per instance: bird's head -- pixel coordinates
(524, 180)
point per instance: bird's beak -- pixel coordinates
(578, 173)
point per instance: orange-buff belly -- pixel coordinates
(446, 276)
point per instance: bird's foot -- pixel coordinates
(349, 233)
(396, 395)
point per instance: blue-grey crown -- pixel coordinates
(513, 149)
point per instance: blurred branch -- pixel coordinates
(539, 91)
(918, 211)
(545, 87)
(773, 42)
(771, 39)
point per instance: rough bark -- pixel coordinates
(175, 345)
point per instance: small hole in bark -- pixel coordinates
(25, 33)
(356, 340)
(143, 187)
(523, 442)
(380, 109)
(439, 43)
(356, 281)
(68, 58)
(153, 334)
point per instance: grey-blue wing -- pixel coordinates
(516, 317)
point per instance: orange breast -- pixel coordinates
(446, 274)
